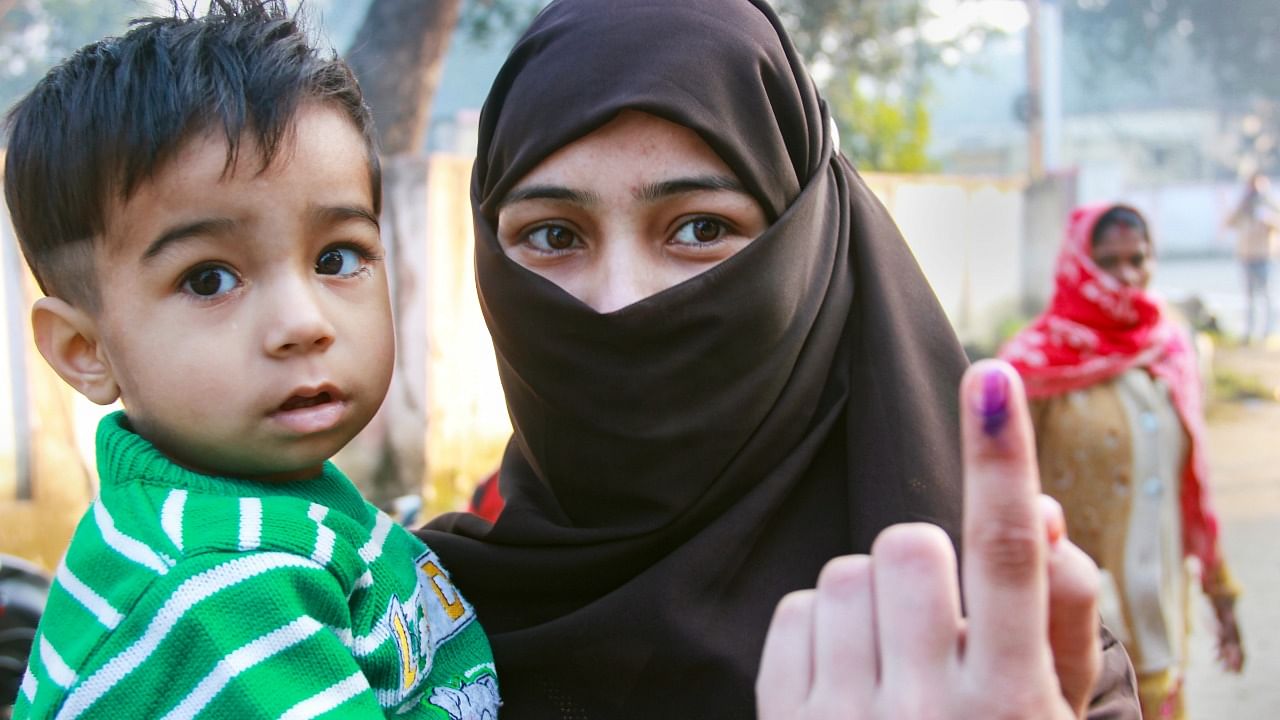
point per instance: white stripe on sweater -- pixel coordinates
(389, 698)
(328, 699)
(131, 548)
(250, 523)
(364, 581)
(59, 672)
(247, 656)
(85, 595)
(372, 550)
(363, 645)
(30, 686)
(191, 592)
(325, 537)
(171, 516)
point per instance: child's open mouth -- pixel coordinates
(297, 401)
(311, 410)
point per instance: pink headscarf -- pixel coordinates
(1094, 330)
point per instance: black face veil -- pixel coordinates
(680, 464)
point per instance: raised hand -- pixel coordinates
(882, 635)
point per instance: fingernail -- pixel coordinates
(994, 406)
(1055, 523)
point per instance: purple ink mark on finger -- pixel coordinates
(995, 402)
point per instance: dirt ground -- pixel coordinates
(1244, 446)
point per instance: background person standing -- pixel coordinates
(1255, 222)
(1116, 403)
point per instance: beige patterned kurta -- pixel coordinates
(1113, 455)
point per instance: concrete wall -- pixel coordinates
(967, 235)
(1187, 219)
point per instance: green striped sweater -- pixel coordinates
(185, 595)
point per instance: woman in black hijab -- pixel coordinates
(689, 451)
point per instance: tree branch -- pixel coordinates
(397, 54)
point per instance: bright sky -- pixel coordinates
(954, 17)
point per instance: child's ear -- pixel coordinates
(67, 337)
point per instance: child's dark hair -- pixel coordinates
(105, 120)
(1118, 215)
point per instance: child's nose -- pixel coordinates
(299, 324)
(302, 338)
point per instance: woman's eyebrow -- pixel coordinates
(652, 192)
(550, 192)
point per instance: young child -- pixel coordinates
(199, 201)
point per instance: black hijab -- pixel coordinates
(680, 464)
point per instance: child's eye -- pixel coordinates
(701, 231)
(552, 239)
(210, 281)
(342, 261)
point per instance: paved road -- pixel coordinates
(1244, 442)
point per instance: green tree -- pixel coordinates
(862, 37)
(880, 133)
(871, 58)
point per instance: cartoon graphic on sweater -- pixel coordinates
(473, 701)
(419, 625)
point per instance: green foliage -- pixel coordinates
(491, 21)
(881, 134)
(1231, 385)
(854, 35)
(872, 57)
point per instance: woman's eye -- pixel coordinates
(339, 261)
(702, 231)
(210, 281)
(552, 238)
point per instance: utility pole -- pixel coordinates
(1035, 116)
(1051, 112)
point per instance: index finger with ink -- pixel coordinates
(1005, 546)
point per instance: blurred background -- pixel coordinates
(979, 123)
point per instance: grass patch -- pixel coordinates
(1232, 386)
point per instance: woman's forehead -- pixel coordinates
(634, 145)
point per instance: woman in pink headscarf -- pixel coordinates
(1116, 401)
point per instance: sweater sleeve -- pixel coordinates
(228, 635)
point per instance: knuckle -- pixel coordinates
(768, 703)
(794, 609)
(911, 706)
(1026, 700)
(844, 574)
(1075, 583)
(1078, 597)
(900, 707)
(908, 541)
(1024, 707)
(1010, 551)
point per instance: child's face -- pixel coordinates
(245, 317)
